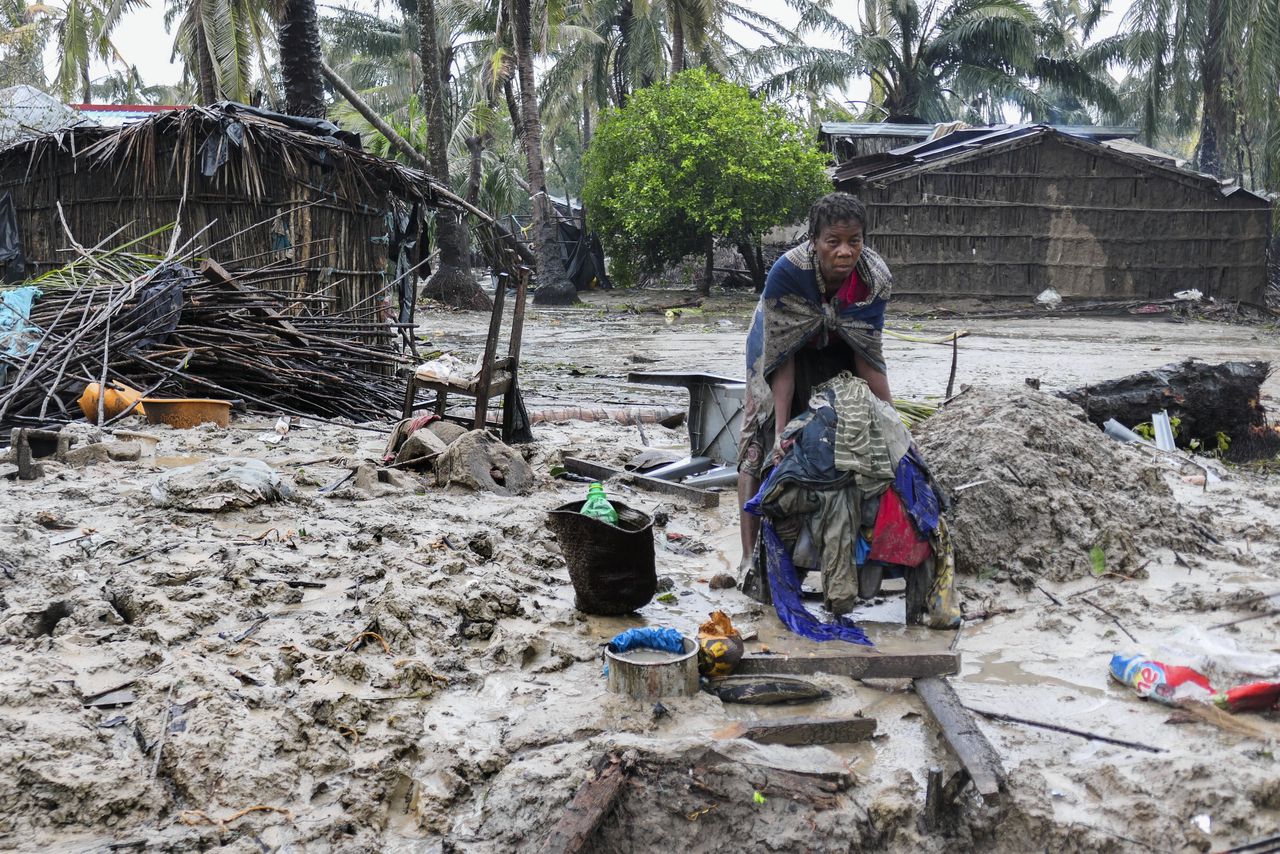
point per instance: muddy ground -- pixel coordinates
(425, 684)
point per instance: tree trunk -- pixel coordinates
(452, 283)
(402, 145)
(207, 86)
(1207, 399)
(1217, 121)
(299, 34)
(554, 287)
(754, 259)
(677, 38)
(704, 289)
(475, 147)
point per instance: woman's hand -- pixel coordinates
(780, 448)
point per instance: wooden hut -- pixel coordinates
(1012, 211)
(255, 191)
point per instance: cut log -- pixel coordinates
(962, 736)
(858, 666)
(801, 730)
(590, 805)
(1207, 399)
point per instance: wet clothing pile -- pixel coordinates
(851, 488)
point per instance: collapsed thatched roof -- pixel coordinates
(229, 144)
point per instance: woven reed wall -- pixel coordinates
(335, 225)
(1051, 214)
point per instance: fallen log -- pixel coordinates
(1207, 399)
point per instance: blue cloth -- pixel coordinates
(648, 637)
(911, 482)
(784, 587)
(17, 336)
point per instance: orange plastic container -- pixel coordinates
(184, 412)
(119, 397)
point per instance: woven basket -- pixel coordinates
(611, 566)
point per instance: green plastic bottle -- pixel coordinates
(598, 507)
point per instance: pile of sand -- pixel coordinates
(1057, 488)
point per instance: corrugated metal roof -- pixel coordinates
(26, 112)
(119, 115)
(1098, 132)
(875, 129)
(962, 144)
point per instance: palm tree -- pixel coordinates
(222, 45)
(554, 287)
(127, 87)
(299, 35)
(24, 30)
(929, 61)
(1215, 59)
(452, 281)
(82, 33)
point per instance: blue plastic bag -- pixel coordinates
(649, 637)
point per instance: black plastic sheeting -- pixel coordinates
(216, 149)
(159, 308)
(404, 228)
(583, 257)
(13, 265)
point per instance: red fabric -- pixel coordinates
(853, 290)
(895, 539)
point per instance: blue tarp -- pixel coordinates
(18, 337)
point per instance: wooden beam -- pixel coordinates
(590, 805)
(907, 665)
(696, 497)
(962, 736)
(801, 730)
(216, 273)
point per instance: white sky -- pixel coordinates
(143, 41)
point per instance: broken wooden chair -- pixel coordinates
(497, 377)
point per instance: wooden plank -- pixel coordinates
(907, 665)
(798, 730)
(962, 736)
(696, 497)
(215, 272)
(591, 803)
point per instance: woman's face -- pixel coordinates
(838, 247)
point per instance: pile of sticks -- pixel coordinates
(174, 330)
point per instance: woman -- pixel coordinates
(821, 313)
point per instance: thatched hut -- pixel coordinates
(1009, 212)
(253, 188)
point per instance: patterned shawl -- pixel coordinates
(791, 311)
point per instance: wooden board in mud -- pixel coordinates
(961, 733)
(801, 730)
(901, 665)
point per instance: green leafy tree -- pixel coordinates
(694, 160)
